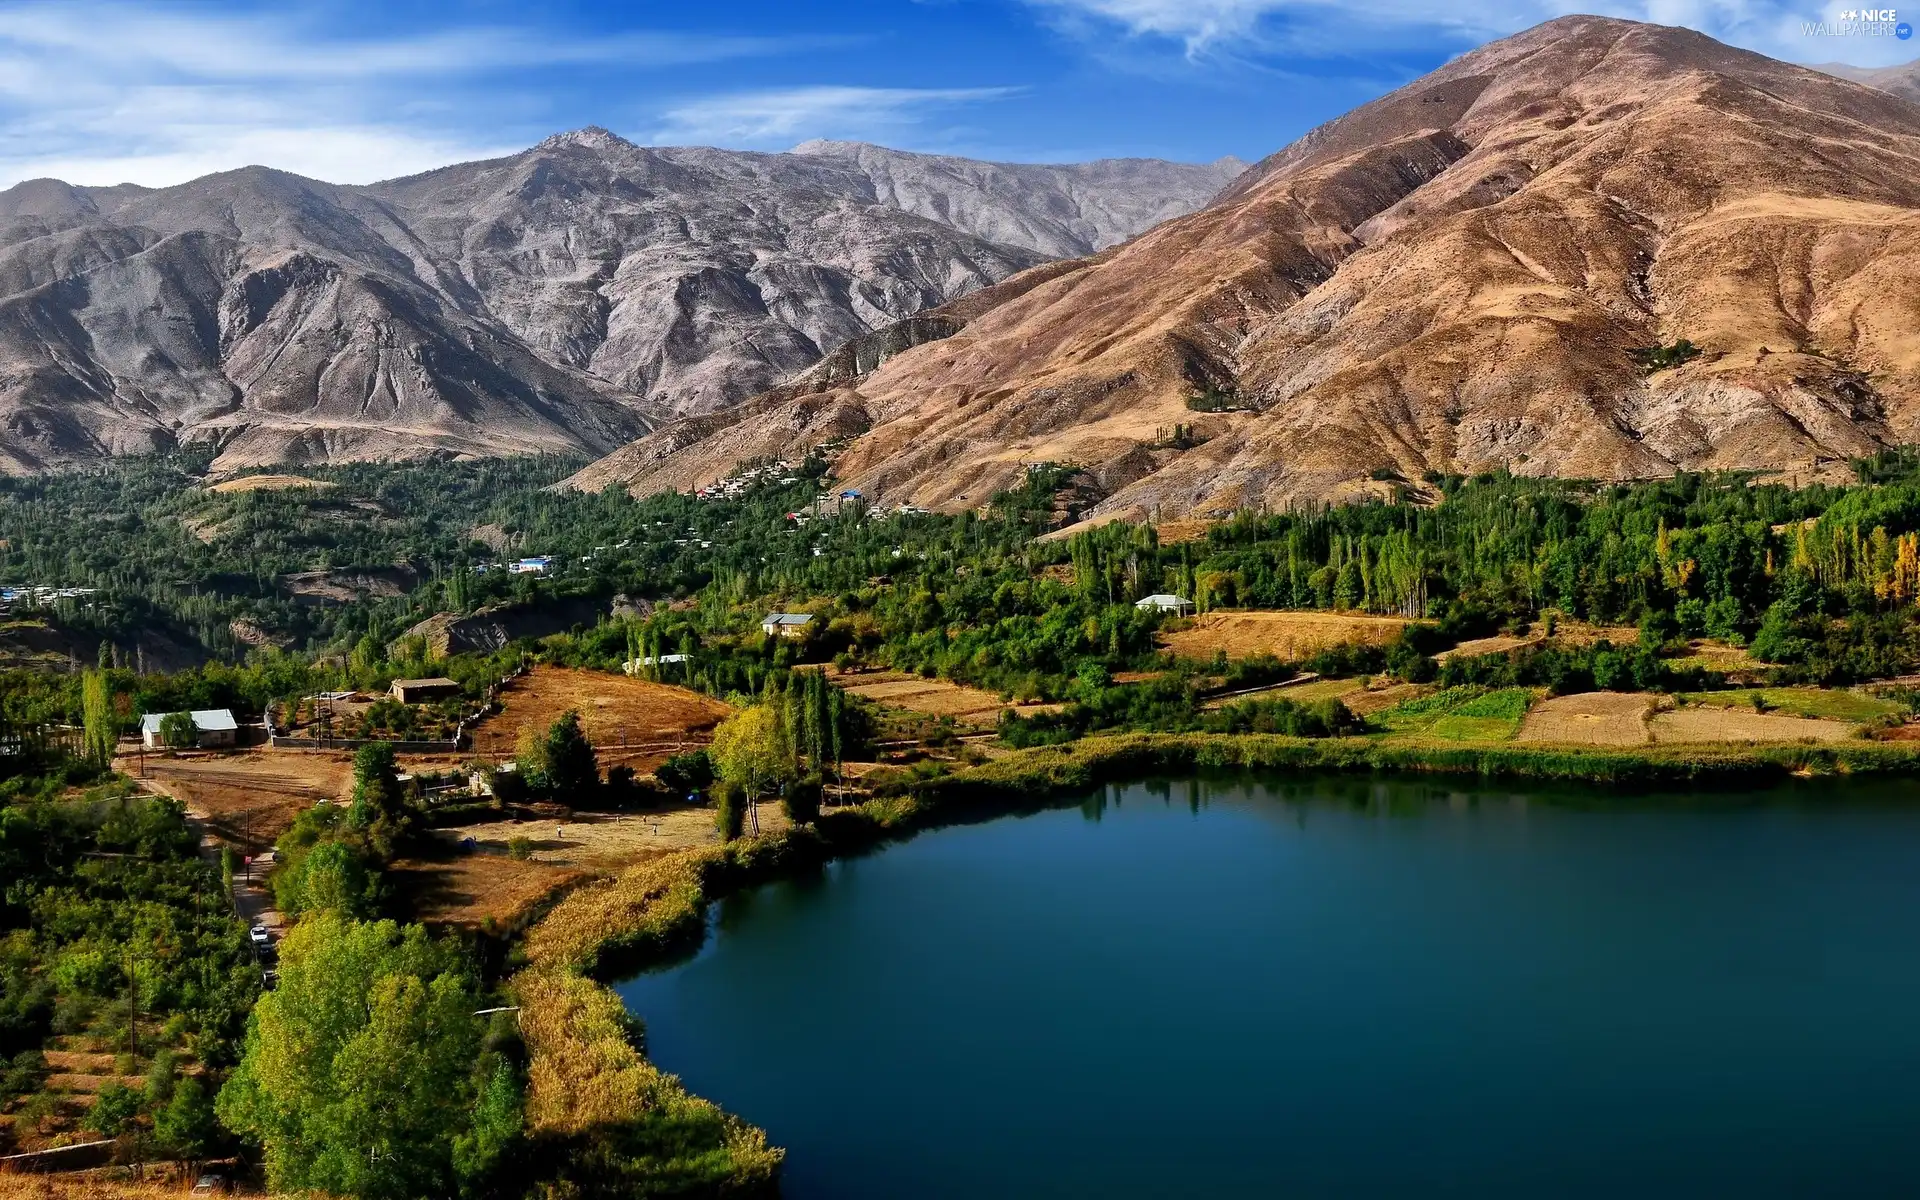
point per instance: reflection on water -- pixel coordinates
(1345, 986)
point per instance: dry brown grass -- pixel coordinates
(584, 1073)
(469, 890)
(1172, 533)
(452, 887)
(620, 714)
(269, 483)
(1565, 632)
(1734, 725)
(934, 697)
(1373, 700)
(88, 1186)
(1320, 689)
(1590, 719)
(1286, 635)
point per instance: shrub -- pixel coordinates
(114, 1109)
(730, 815)
(802, 801)
(520, 849)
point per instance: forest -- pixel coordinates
(1821, 582)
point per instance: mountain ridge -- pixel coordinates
(566, 298)
(1463, 275)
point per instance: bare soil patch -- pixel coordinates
(257, 791)
(269, 483)
(1499, 644)
(1567, 633)
(628, 720)
(1590, 719)
(1172, 533)
(1284, 635)
(1734, 725)
(933, 697)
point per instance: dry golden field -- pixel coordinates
(933, 697)
(1284, 635)
(615, 711)
(1737, 725)
(1590, 719)
(268, 483)
(452, 887)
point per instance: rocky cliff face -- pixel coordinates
(563, 299)
(1468, 274)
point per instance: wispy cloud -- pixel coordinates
(103, 94)
(1205, 31)
(776, 118)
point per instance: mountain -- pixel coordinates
(1903, 80)
(567, 298)
(1468, 274)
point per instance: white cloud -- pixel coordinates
(777, 118)
(1224, 29)
(113, 93)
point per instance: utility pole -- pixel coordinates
(133, 1006)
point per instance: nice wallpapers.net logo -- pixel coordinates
(1861, 22)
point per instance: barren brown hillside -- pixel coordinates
(1455, 277)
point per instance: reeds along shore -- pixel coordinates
(629, 1129)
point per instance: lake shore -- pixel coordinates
(593, 1093)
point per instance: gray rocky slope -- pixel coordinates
(566, 298)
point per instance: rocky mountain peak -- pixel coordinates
(560, 299)
(1476, 272)
(589, 137)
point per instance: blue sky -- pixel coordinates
(162, 91)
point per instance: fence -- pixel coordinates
(78, 1157)
(462, 733)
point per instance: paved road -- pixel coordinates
(252, 898)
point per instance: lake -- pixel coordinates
(1332, 987)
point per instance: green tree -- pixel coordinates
(331, 877)
(357, 1077)
(185, 1126)
(573, 771)
(750, 749)
(379, 805)
(178, 731)
(730, 810)
(101, 730)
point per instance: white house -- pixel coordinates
(216, 728)
(532, 566)
(1163, 602)
(787, 625)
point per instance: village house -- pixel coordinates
(786, 625)
(420, 691)
(215, 726)
(1179, 606)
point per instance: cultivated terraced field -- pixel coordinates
(628, 720)
(1285, 635)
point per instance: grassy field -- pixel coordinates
(1461, 714)
(1816, 703)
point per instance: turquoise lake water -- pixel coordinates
(1333, 987)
